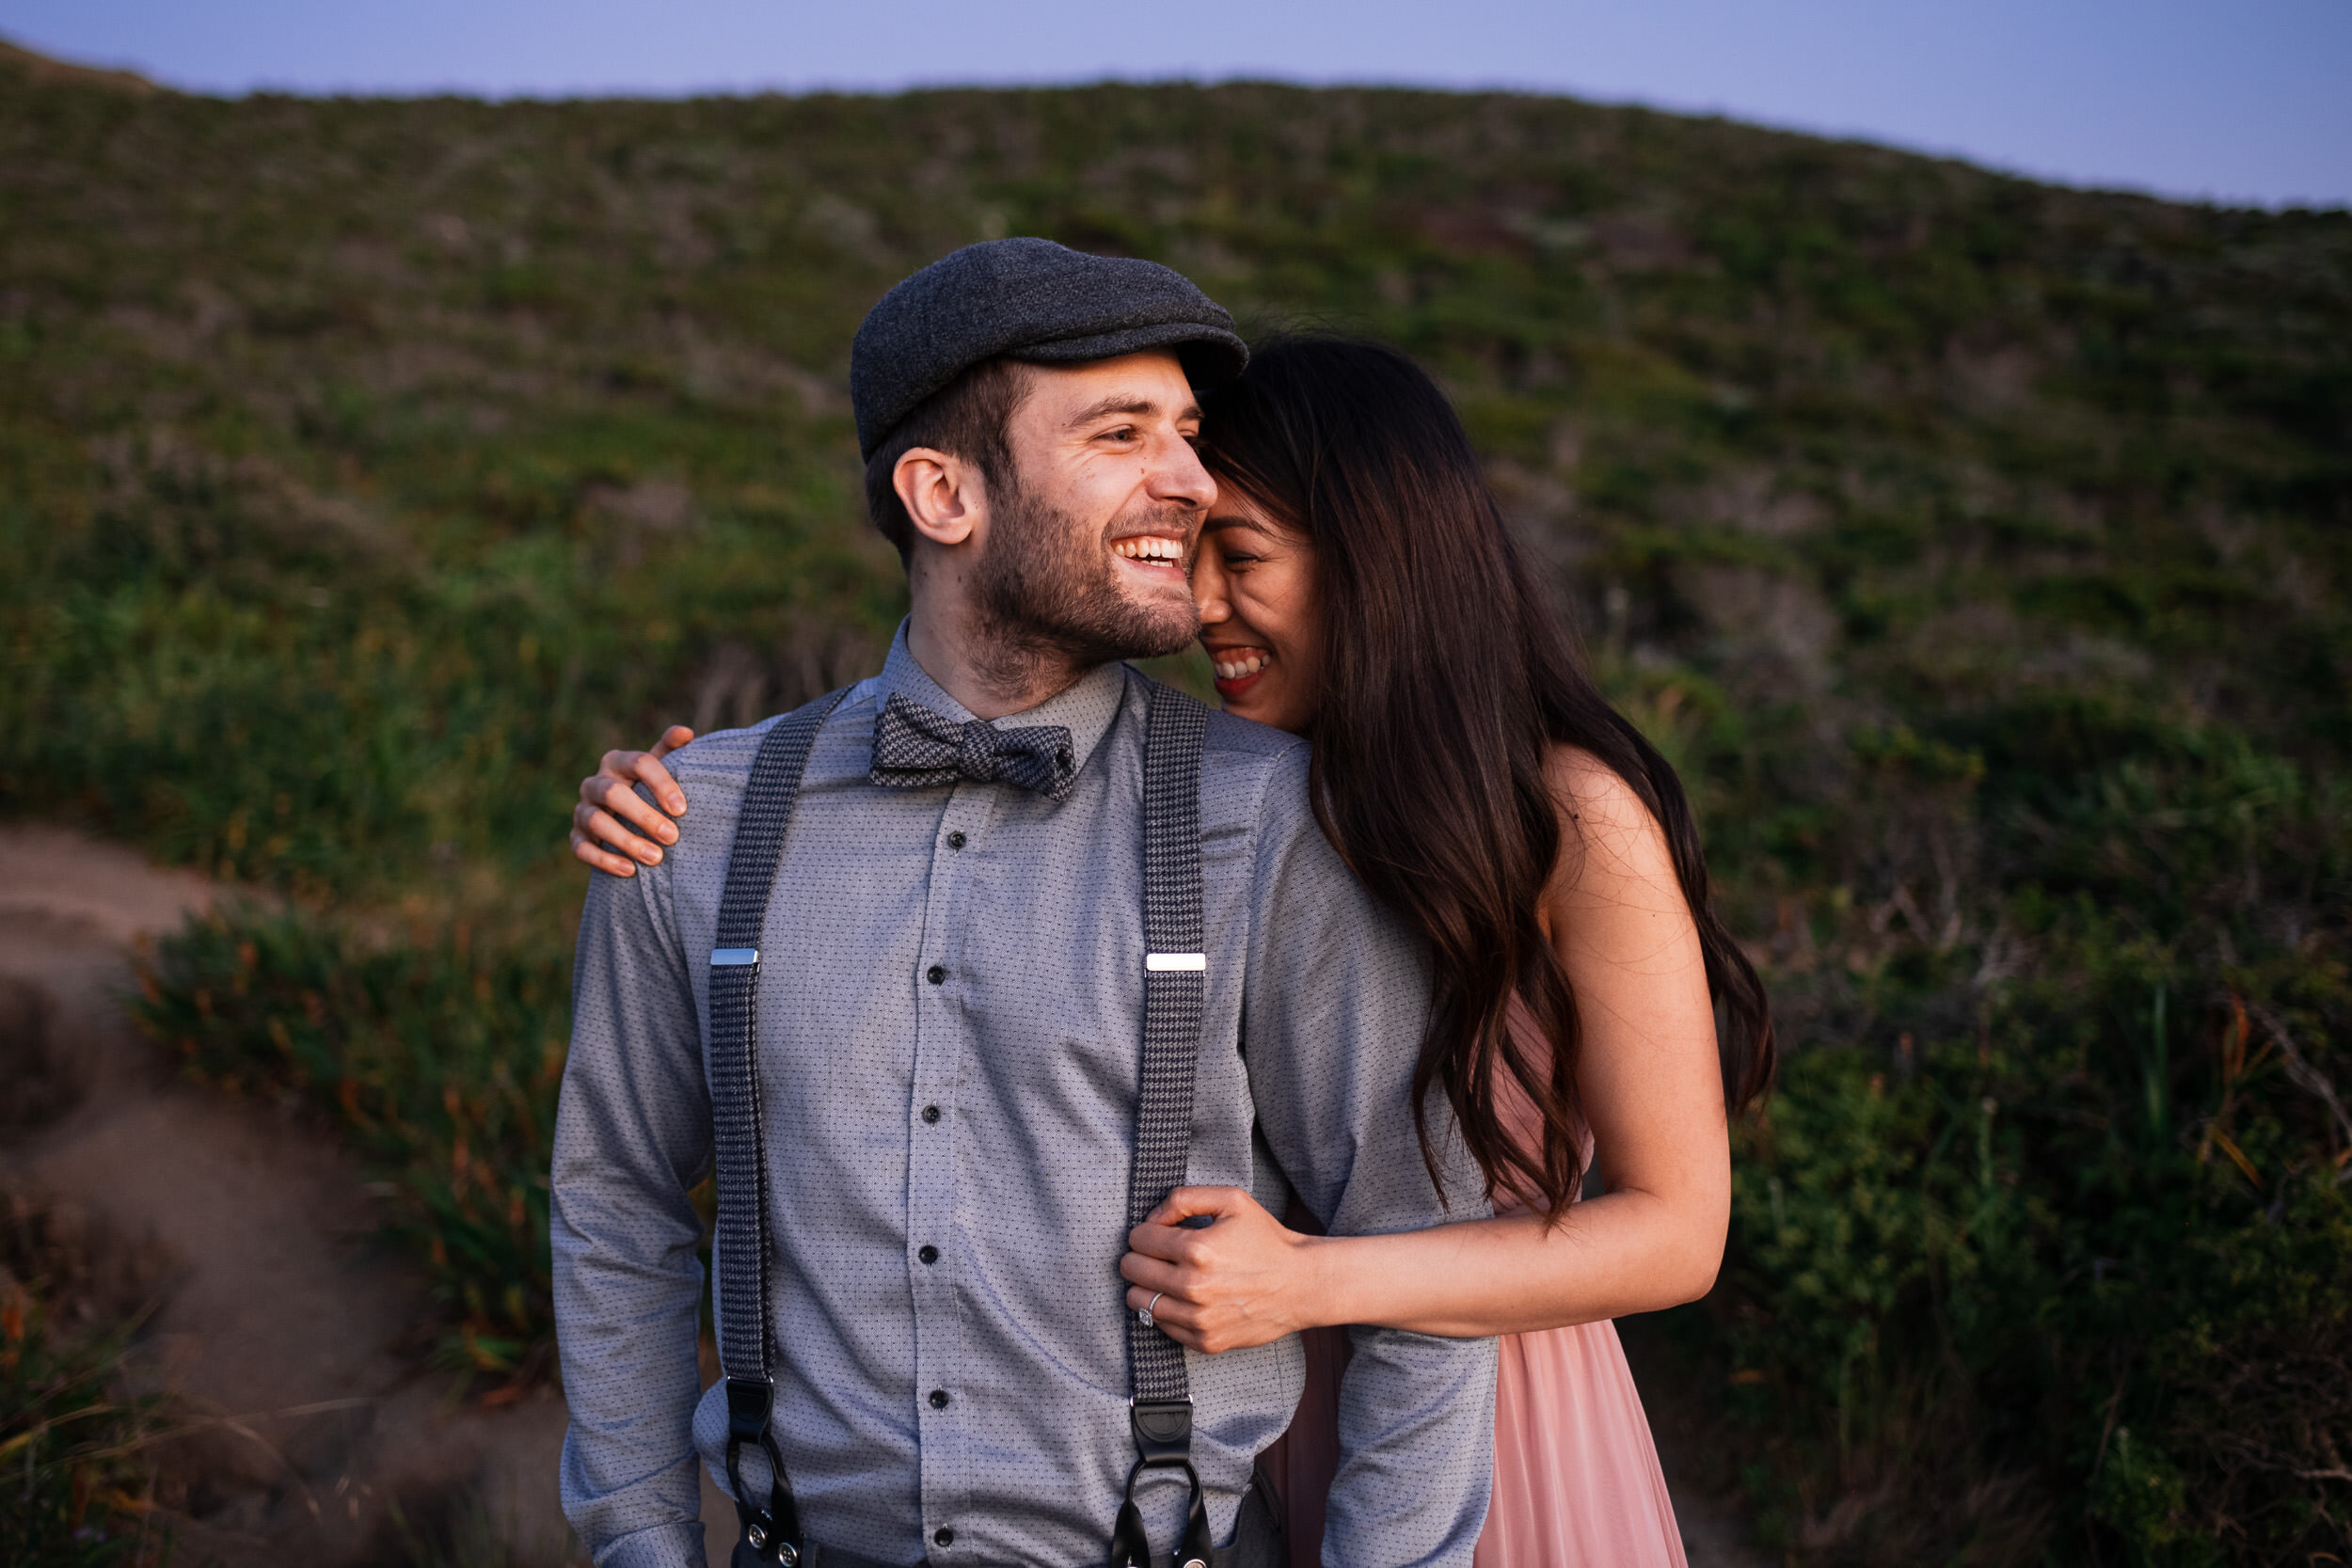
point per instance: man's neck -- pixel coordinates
(972, 664)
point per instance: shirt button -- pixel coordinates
(942, 1536)
(931, 1113)
(956, 840)
(938, 1399)
(936, 975)
(929, 1255)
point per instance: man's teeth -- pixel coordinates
(1147, 549)
(1248, 664)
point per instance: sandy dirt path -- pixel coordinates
(278, 1310)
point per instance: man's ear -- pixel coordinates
(944, 495)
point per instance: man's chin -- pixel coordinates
(1161, 630)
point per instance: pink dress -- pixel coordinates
(1577, 1483)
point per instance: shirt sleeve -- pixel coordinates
(1334, 1003)
(633, 1137)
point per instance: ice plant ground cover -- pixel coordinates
(1978, 549)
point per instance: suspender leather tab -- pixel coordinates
(1163, 1428)
(750, 1402)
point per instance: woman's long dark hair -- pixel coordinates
(1448, 676)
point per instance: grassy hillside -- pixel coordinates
(1979, 551)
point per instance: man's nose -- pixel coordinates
(1178, 477)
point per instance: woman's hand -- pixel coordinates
(609, 796)
(1241, 1280)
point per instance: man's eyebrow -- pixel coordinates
(1126, 402)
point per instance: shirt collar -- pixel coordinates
(1086, 707)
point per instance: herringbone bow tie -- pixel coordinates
(915, 749)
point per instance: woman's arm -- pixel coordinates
(610, 790)
(1648, 1077)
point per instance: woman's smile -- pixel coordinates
(1237, 668)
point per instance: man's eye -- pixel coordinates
(1125, 432)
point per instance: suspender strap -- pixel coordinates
(1174, 983)
(771, 1533)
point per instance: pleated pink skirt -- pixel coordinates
(1577, 1482)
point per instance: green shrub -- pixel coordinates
(2091, 1254)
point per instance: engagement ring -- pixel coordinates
(1144, 1316)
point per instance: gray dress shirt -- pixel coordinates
(950, 1014)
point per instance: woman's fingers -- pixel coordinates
(1189, 1323)
(646, 767)
(617, 797)
(588, 850)
(1186, 1203)
(1171, 1309)
(1153, 1274)
(598, 824)
(1243, 1278)
(609, 799)
(1172, 1243)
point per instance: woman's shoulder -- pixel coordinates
(1594, 793)
(1610, 839)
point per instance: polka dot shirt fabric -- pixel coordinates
(951, 986)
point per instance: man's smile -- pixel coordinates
(1157, 557)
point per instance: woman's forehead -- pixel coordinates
(1236, 508)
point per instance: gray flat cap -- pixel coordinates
(1028, 300)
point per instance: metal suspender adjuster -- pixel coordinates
(770, 1534)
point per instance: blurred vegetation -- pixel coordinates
(1979, 550)
(415, 1050)
(76, 1486)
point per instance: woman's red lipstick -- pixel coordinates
(1248, 666)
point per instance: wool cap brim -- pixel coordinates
(1034, 300)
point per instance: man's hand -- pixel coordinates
(609, 796)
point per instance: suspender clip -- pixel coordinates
(772, 1535)
(1163, 1430)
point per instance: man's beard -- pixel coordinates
(1049, 602)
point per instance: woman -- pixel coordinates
(1356, 585)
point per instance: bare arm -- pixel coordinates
(1651, 1088)
(609, 796)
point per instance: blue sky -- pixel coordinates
(2249, 101)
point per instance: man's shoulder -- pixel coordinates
(1247, 742)
(1231, 742)
(1258, 770)
(713, 767)
(1246, 768)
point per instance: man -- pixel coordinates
(950, 997)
